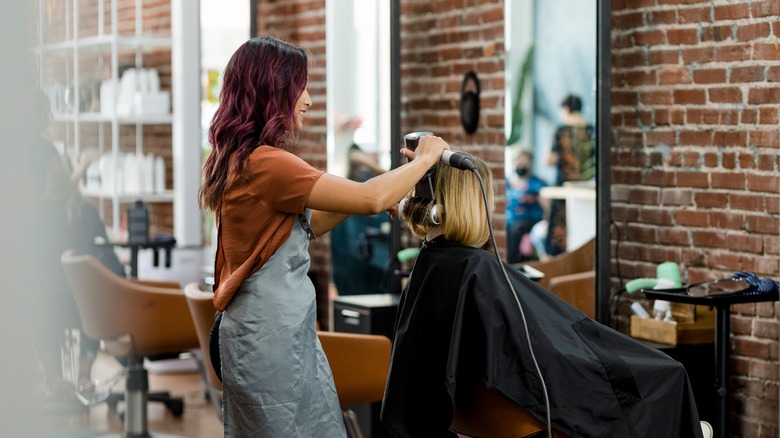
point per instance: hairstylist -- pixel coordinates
(268, 204)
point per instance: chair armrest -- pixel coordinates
(157, 283)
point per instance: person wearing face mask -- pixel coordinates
(524, 209)
(268, 204)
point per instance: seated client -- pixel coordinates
(459, 325)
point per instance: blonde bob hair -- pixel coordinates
(459, 204)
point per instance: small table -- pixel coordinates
(156, 244)
(722, 304)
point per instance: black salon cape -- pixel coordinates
(458, 323)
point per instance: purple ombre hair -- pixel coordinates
(260, 87)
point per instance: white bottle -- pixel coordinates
(662, 310)
(131, 174)
(148, 173)
(159, 175)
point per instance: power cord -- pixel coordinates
(517, 300)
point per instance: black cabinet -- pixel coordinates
(367, 314)
(372, 315)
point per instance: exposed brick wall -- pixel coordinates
(695, 94)
(439, 44)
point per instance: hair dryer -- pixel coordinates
(457, 160)
(667, 277)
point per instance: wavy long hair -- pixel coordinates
(260, 87)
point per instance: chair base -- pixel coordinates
(351, 424)
(174, 404)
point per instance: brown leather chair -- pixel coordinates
(489, 414)
(360, 364)
(202, 308)
(572, 277)
(134, 320)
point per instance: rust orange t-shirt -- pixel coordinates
(257, 216)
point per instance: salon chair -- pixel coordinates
(201, 304)
(571, 276)
(360, 364)
(135, 320)
(489, 414)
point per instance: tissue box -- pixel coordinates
(692, 325)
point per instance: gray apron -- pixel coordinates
(276, 379)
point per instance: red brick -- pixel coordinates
(766, 51)
(662, 56)
(660, 97)
(729, 138)
(628, 59)
(690, 97)
(724, 260)
(768, 116)
(716, 33)
(711, 199)
(691, 218)
(640, 77)
(677, 197)
(731, 12)
(732, 53)
(753, 203)
(773, 74)
(696, 138)
(766, 8)
(661, 17)
(747, 74)
(727, 219)
(694, 15)
(745, 243)
(766, 95)
(725, 95)
(673, 236)
(636, 233)
(753, 31)
(763, 183)
(682, 36)
(708, 238)
(710, 76)
(649, 37)
(762, 223)
(728, 180)
(765, 138)
(630, 20)
(655, 216)
(749, 116)
(672, 75)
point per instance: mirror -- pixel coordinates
(358, 136)
(583, 69)
(556, 161)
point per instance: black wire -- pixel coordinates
(517, 300)
(617, 251)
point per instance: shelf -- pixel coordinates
(104, 42)
(150, 119)
(124, 198)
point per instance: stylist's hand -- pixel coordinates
(428, 149)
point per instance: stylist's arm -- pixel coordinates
(334, 198)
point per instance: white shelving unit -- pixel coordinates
(70, 53)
